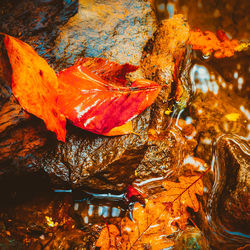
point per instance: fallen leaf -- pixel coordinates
(107, 70)
(124, 129)
(168, 112)
(152, 225)
(233, 117)
(242, 46)
(34, 84)
(208, 42)
(109, 238)
(188, 198)
(95, 104)
(92, 93)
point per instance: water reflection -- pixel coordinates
(227, 207)
(202, 79)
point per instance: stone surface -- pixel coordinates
(224, 216)
(117, 30)
(121, 30)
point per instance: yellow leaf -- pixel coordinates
(242, 46)
(168, 111)
(124, 129)
(232, 117)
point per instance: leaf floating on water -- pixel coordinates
(152, 225)
(187, 198)
(98, 105)
(34, 84)
(233, 117)
(208, 42)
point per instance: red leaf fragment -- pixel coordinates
(134, 195)
(108, 70)
(222, 36)
(97, 105)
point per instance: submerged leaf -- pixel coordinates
(152, 225)
(109, 238)
(34, 84)
(95, 104)
(208, 42)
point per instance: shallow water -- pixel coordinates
(218, 88)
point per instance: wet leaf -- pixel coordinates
(133, 195)
(109, 238)
(188, 198)
(208, 42)
(161, 217)
(92, 93)
(232, 116)
(98, 105)
(107, 70)
(34, 84)
(124, 129)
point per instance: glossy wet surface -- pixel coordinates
(33, 216)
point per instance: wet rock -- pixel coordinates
(226, 211)
(86, 159)
(29, 147)
(97, 161)
(161, 61)
(36, 22)
(164, 154)
(191, 238)
(11, 114)
(117, 30)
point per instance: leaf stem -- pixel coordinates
(190, 185)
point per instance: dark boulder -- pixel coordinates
(120, 31)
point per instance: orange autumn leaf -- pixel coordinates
(161, 217)
(34, 84)
(91, 94)
(109, 238)
(208, 42)
(188, 198)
